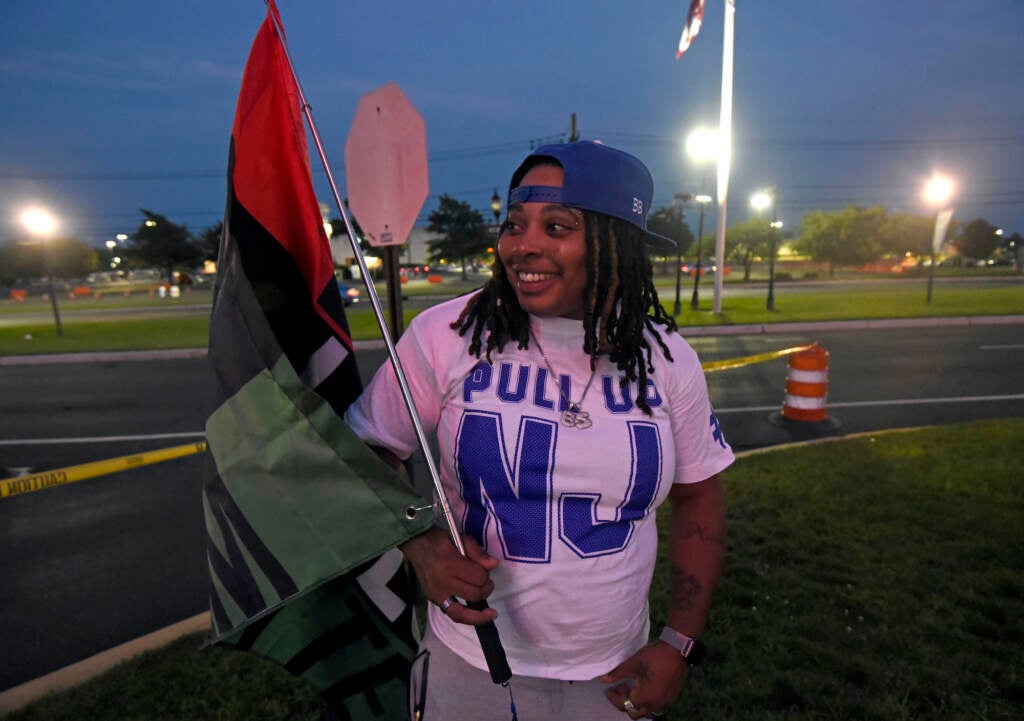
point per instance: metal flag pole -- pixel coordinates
(488, 633)
(724, 149)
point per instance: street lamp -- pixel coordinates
(702, 200)
(701, 147)
(42, 224)
(682, 199)
(937, 193)
(496, 206)
(760, 201)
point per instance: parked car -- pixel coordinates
(349, 293)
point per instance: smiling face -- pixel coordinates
(544, 250)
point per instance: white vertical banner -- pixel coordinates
(941, 226)
(724, 148)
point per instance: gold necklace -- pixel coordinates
(573, 416)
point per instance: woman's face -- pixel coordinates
(544, 251)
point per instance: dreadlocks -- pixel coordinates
(619, 293)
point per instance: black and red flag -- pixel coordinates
(302, 518)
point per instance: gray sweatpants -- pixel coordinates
(457, 691)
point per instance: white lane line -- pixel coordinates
(746, 409)
(1002, 347)
(97, 439)
(895, 402)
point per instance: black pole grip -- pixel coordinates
(497, 664)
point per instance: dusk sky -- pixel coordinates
(119, 105)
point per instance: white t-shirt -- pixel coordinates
(568, 512)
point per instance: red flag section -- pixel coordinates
(271, 176)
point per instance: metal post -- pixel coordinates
(679, 271)
(695, 300)
(394, 284)
(53, 292)
(771, 260)
(725, 146)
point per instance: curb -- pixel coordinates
(87, 669)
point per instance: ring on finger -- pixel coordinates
(628, 704)
(446, 604)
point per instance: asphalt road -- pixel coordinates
(89, 565)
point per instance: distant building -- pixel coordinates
(415, 251)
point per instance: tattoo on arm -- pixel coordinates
(685, 589)
(691, 529)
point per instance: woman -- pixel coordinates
(566, 410)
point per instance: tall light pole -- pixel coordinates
(702, 147)
(41, 223)
(937, 193)
(760, 201)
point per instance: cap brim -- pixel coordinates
(659, 242)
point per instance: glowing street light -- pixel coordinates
(496, 206)
(41, 223)
(702, 147)
(937, 192)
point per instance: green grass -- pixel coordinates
(83, 332)
(879, 577)
(903, 301)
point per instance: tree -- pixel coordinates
(159, 242)
(668, 221)
(208, 241)
(977, 239)
(61, 257)
(748, 241)
(904, 233)
(851, 236)
(463, 231)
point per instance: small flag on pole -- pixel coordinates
(693, 21)
(302, 518)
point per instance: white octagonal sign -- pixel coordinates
(386, 165)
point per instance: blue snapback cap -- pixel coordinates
(598, 178)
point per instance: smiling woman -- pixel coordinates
(566, 410)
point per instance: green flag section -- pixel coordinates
(320, 501)
(300, 528)
(302, 518)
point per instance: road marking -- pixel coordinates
(96, 439)
(895, 402)
(746, 409)
(1002, 347)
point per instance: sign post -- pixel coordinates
(387, 177)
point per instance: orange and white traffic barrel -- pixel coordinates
(806, 385)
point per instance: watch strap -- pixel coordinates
(690, 649)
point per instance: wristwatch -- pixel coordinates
(690, 649)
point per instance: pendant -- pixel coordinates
(576, 418)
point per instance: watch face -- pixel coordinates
(696, 654)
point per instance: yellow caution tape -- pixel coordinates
(722, 365)
(71, 474)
